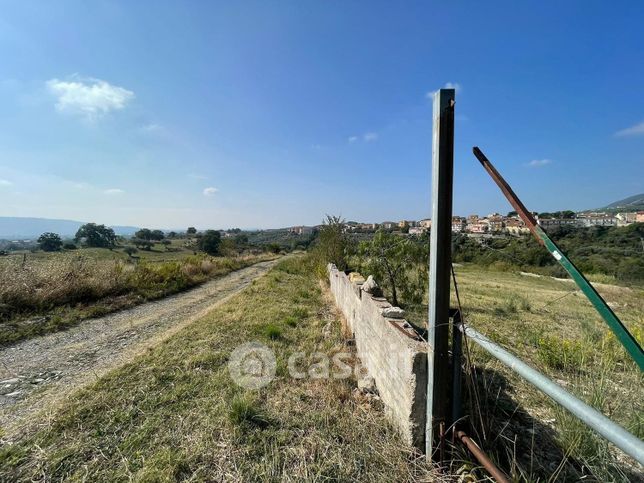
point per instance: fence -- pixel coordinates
(440, 414)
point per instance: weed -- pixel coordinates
(243, 411)
(561, 354)
(273, 332)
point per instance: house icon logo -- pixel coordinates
(252, 365)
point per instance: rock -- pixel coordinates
(370, 286)
(14, 394)
(367, 384)
(393, 313)
(355, 277)
(14, 380)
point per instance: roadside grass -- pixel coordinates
(176, 414)
(50, 293)
(552, 326)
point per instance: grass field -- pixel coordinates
(45, 292)
(552, 326)
(176, 414)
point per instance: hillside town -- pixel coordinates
(494, 223)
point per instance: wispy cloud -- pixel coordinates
(151, 127)
(91, 98)
(366, 137)
(636, 130)
(5, 182)
(538, 163)
(210, 191)
(448, 85)
(114, 191)
(370, 136)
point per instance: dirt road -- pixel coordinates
(37, 374)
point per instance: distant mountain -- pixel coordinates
(632, 203)
(12, 228)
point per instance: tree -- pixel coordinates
(396, 262)
(142, 244)
(143, 234)
(130, 251)
(50, 242)
(333, 243)
(96, 235)
(172, 234)
(210, 242)
(157, 235)
(191, 231)
(166, 244)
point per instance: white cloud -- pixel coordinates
(88, 97)
(370, 136)
(636, 130)
(538, 163)
(151, 127)
(210, 191)
(5, 182)
(353, 139)
(114, 191)
(448, 85)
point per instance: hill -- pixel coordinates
(632, 203)
(12, 227)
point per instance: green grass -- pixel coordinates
(555, 329)
(175, 413)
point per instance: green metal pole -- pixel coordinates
(619, 329)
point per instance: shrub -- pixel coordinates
(50, 242)
(245, 412)
(272, 331)
(561, 354)
(210, 242)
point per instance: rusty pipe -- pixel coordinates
(481, 457)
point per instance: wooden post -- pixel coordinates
(438, 375)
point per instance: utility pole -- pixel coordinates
(438, 371)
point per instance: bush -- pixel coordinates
(210, 242)
(50, 242)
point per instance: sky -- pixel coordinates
(258, 114)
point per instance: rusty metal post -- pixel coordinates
(438, 371)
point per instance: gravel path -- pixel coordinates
(36, 374)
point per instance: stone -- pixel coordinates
(14, 394)
(393, 313)
(367, 384)
(14, 380)
(355, 277)
(370, 286)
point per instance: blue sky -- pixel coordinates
(267, 114)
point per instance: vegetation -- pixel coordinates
(94, 235)
(398, 263)
(553, 327)
(147, 234)
(176, 414)
(66, 288)
(613, 251)
(333, 245)
(50, 242)
(209, 242)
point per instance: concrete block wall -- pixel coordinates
(397, 362)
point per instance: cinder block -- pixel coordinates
(397, 362)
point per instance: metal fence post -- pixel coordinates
(438, 374)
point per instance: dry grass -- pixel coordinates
(175, 414)
(552, 326)
(67, 288)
